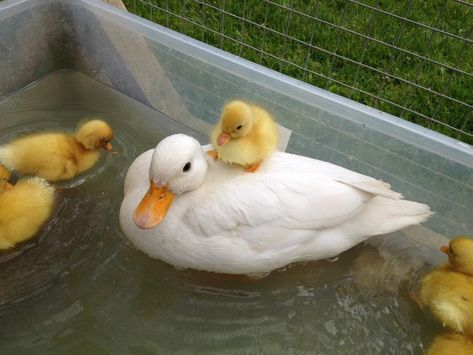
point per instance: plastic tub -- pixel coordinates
(181, 84)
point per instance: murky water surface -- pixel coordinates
(81, 288)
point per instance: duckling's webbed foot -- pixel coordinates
(253, 167)
(213, 154)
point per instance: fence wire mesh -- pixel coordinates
(411, 58)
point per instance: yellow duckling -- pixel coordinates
(451, 343)
(245, 135)
(58, 156)
(23, 208)
(448, 290)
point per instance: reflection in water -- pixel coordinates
(80, 287)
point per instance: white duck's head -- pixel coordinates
(178, 165)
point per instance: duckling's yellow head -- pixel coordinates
(4, 177)
(237, 121)
(95, 134)
(460, 254)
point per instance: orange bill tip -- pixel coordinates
(108, 147)
(153, 207)
(445, 249)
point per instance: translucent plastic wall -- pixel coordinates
(79, 287)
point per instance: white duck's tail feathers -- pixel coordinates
(373, 186)
(384, 215)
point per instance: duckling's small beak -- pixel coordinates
(108, 147)
(445, 249)
(153, 207)
(8, 186)
(223, 138)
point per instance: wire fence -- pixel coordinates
(411, 58)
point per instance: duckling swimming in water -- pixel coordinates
(448, 290)
(24, 208)
(55, 155)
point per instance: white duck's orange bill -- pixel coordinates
(223, 138)
(153, 207)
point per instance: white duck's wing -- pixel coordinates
(138, 172)
(281, 161)
(279, 202)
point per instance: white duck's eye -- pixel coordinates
(187, 167)
(239, 127)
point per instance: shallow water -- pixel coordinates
(80, 287)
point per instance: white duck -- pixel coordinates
(183, 207)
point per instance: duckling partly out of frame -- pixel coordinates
(448, 290)
(451, 343)
(23, 208)
(58, 156)
(245, 135)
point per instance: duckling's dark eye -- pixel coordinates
(239, 127)
(451, 250)
(187, 167)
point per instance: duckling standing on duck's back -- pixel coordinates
(23, 208)
(58, 156)
(245, 135)
(448, 290)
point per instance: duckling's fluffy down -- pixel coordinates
(449, 296)
(256, 144)
(24, 209)
(53, 156)
(57, 155)
(451, 344)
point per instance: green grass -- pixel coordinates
(266, 45)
